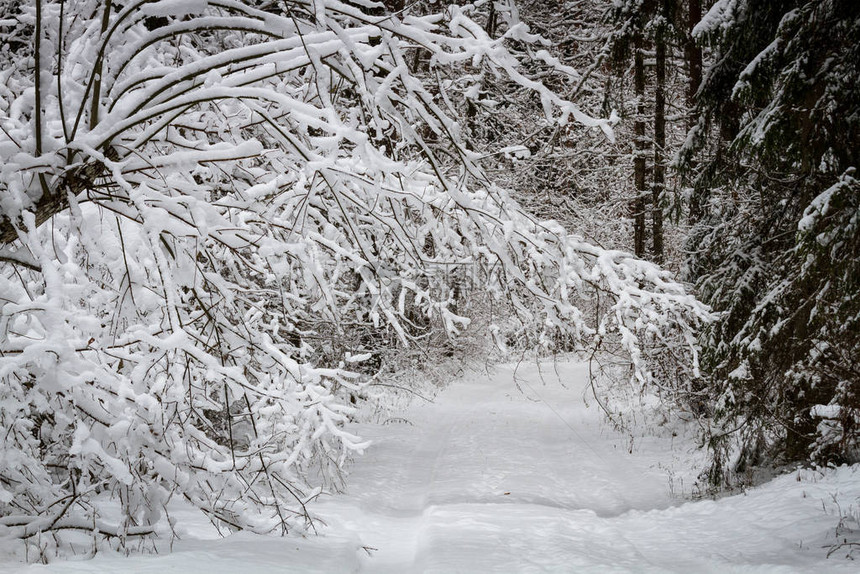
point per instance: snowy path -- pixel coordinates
(491, 473)
(490, 478)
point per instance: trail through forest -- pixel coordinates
(508, 472)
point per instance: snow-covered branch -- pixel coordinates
(241, 202)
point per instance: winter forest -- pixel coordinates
(249, 249)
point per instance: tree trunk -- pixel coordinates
(659, 142)
(97, 78)
(693, 55)
(491, 20)
(641, 150)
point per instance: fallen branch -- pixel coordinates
(24, 527)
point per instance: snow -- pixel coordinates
(720, 17)
(818, 207)
(508, 472)
(826, 411)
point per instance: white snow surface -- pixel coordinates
(517, 473)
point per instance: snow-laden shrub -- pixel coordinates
(213, 210)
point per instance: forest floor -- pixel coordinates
(517, 473)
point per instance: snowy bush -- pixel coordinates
(212, 211)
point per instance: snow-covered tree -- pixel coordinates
(213, 210)
(777, 248)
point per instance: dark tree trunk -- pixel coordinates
(641, 150)
(491, 20)
(659, 143)
(693, 55)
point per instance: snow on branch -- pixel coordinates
(209, 209)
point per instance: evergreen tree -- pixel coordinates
(777, 248)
